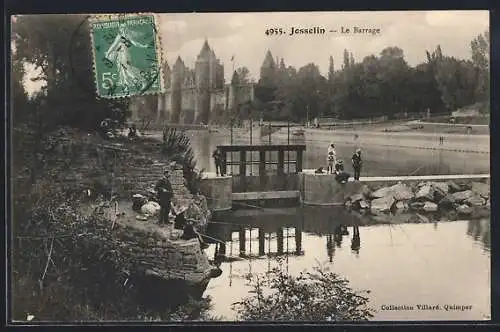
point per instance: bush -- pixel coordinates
(177, 147)
(312, 296)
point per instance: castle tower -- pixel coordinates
(232, 98)
(203, 83)
(268, 69)
(162, 98)
(177, 78)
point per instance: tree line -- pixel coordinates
(383, 85)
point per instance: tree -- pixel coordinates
(331, 70)
(346, 59)
(59, 46)
(312, 296)
(480, 48)
(243, 75)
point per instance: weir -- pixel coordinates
(272, 175)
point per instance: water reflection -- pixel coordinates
(412, 263)
(479, 230)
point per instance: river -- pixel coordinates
(379, 160)
(443, 263)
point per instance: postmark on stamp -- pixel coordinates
(127, 56)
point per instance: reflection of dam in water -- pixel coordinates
(420, 262)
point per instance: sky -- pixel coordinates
(242, 35)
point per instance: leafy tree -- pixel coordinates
(243, 75)
(346, 59)
(331, 70)
(480, 47)
(312, 296)
(59, 46)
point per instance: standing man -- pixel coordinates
(164, 194)
(217, 155)
(357, 163)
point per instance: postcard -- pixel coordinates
(251, 166)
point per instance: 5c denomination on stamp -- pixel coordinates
(127, 55)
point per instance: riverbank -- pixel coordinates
(101, 253)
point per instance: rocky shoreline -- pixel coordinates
(469, 199)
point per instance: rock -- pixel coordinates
(447, 201)
(402, 206)
(430, 207)
(425, 193)
(417, 205)
(421, 218)
(453, 186)
(443, 186)
(151, 208)
(401, 192)
(475, 200)
(356, 197)
(461, 196)
(382, 204)
(482, 189)
(464, 209)
(382, 192)
(140, 217)
(487, 204)
(439, 194)
(363, 204)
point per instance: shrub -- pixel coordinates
(177, 147)
(312, 296)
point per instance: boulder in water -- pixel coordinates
(475, 200)
(151, 208)
(447, 201)
(383, 204)
(481, 189)
(454, 187)
(382, 192)
(417, 205)
(430, 207)
(464, 209)
(401, 192)
(442, 186)
(402, 206)
(462, 196)
(426, 193)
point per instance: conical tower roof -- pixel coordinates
(235, 79)
(268, 60)
(205, 50)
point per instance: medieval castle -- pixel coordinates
(194, 96)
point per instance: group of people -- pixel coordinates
(336, 166)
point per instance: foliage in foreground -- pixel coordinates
(312, 296)
(64, 267)
(177, 146)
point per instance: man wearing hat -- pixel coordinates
(164, 194)
(357, 163)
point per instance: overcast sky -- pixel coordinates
(243, 35)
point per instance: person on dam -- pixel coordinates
(357, 163)
(217, 155)
(331, 158)
(165, 193)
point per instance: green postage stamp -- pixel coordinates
(127, 55)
